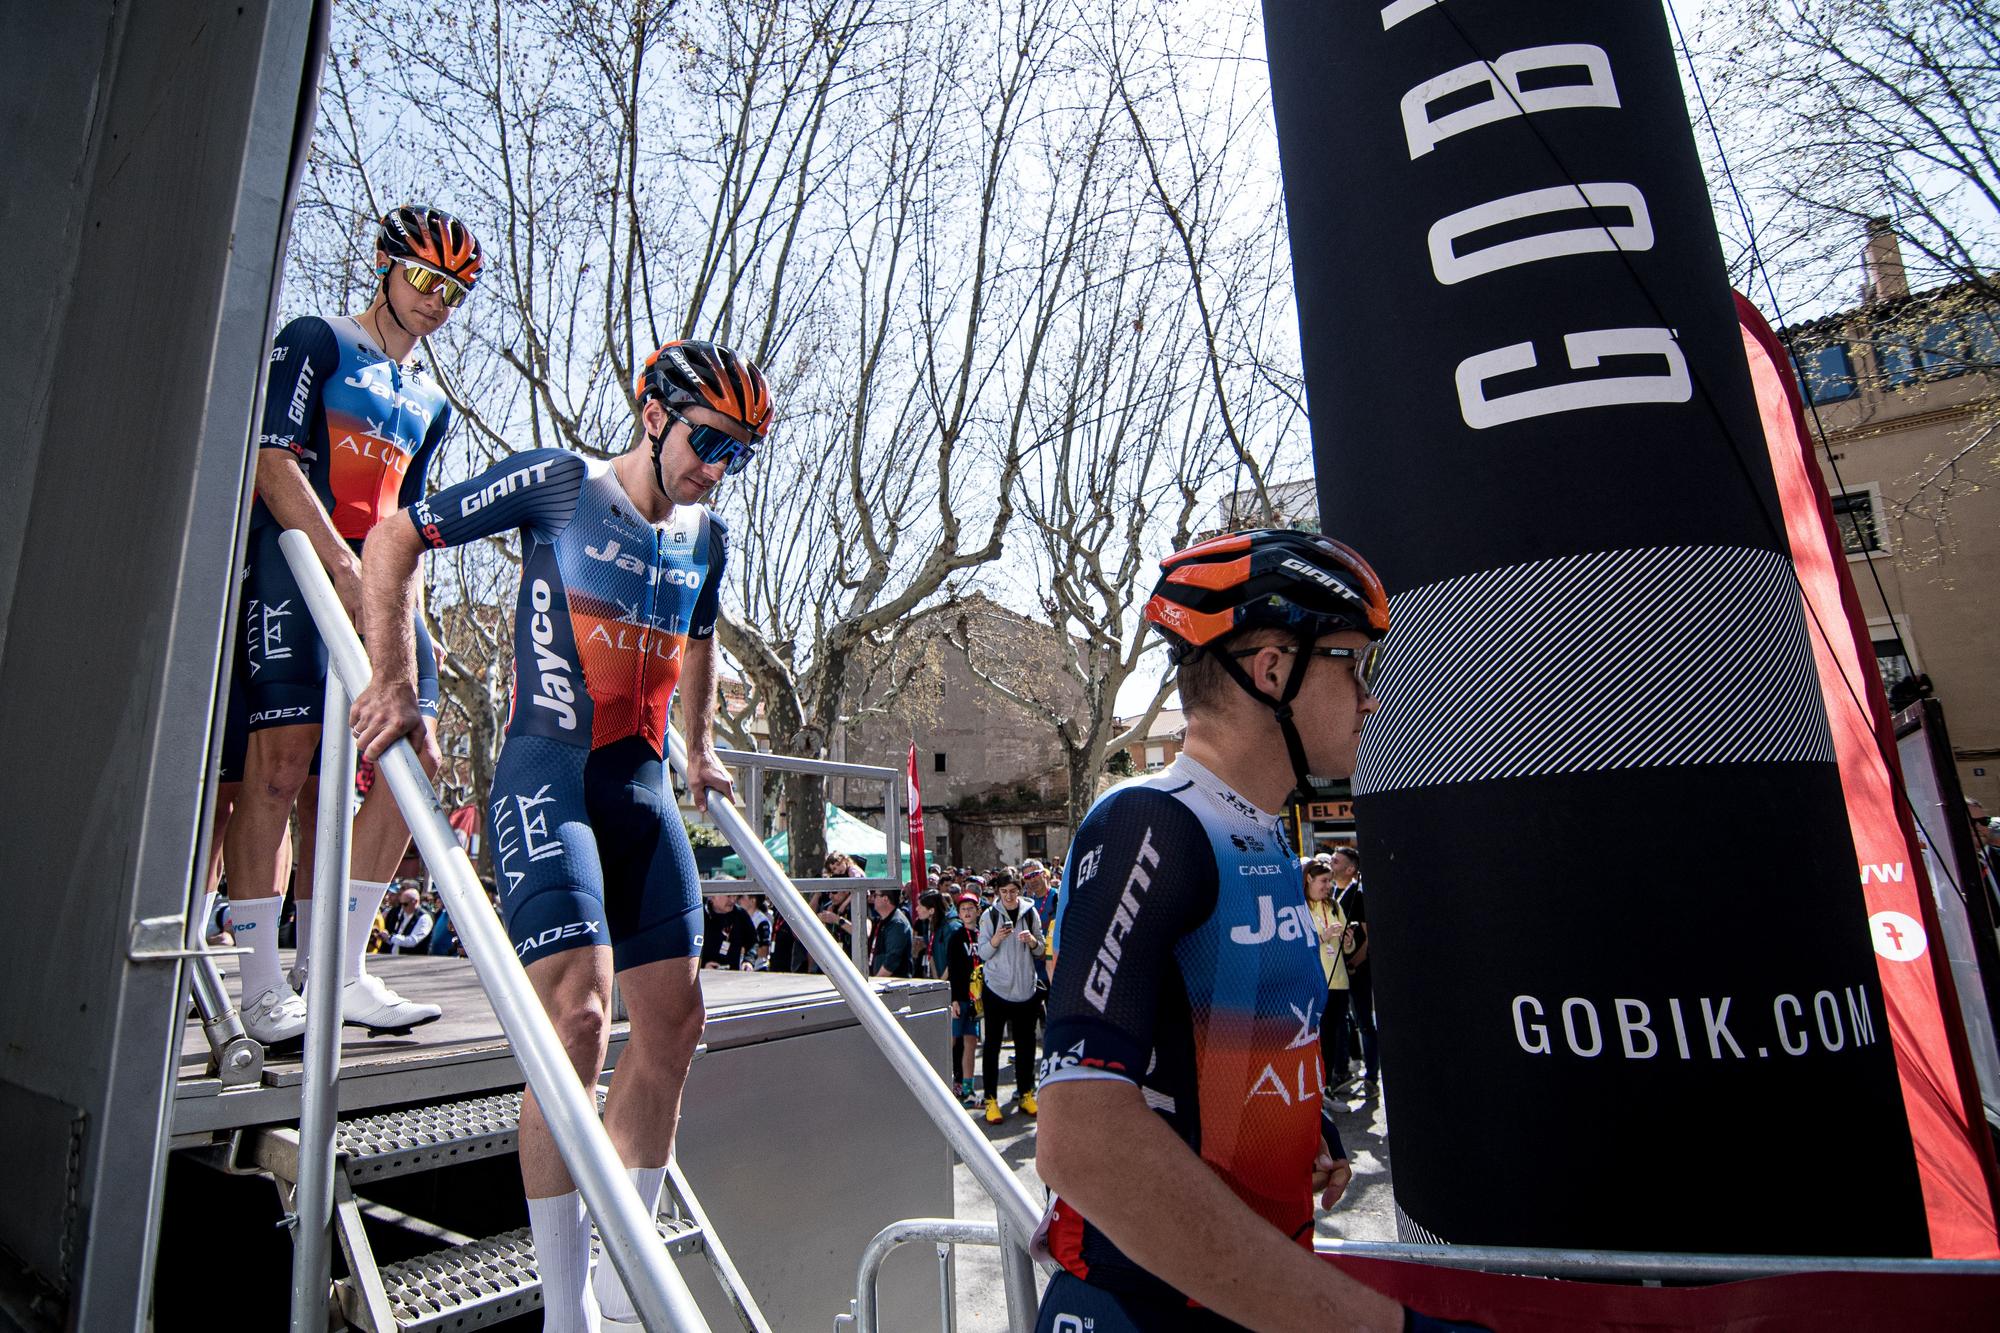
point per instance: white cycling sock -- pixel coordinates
(364, 899)
(562, 1255)
(255, 923)
(611, 1295)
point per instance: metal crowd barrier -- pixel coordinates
(630, 1239)
(863, 1316)
(752, 763)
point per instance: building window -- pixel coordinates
(1893, 662)
(1035, 842)
(1826, 374)
(937, 762)
(1895, 361)
(1895, 653)
(1857, 516)
(1156, 756)
(1957, 344)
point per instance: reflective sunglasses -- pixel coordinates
(716, 446)
(1366, 660)
(450, 290)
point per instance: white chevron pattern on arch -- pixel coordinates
(1646, 658)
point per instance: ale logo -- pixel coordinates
(1897, 937)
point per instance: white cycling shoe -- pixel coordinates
(275, 1017)
(367, 1002)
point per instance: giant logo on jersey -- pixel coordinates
(532, 475)
(1104, 967)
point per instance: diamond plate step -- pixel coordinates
(415, 1138)
(470, 1286)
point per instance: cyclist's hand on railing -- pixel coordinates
(386, 712)
(705, 771)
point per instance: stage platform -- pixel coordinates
(799, 1139)
(464, 1053)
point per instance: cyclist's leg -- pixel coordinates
(287, 665)
(552, 901)
(652, 897)
(653, 903)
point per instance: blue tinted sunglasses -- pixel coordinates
(716, 446)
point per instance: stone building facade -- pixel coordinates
(990, 771)
(1903, 391)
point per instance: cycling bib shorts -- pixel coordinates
(1190, 968)
(587, 838)
(283, 658)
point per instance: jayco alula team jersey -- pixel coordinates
(607, 602)
(1189, 966)
(362, 426)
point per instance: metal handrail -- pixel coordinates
(757, 760)
(630, 1238)
(312, 1190)
(1639, 1264)
(1018, 1212)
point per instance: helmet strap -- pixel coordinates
(658, 442)
(390, 305)
(1281, 708)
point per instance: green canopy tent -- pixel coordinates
(844, 833)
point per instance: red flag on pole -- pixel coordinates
(919, 873)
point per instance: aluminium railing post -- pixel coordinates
(1017, 1276)
(236, 1058)
(312, 1192)
(1010, 1197)
(630, 1236)
(947, 1232)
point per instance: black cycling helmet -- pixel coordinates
(1271, 578)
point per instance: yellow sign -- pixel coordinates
(1326, 812)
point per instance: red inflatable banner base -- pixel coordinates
(1796, 1303)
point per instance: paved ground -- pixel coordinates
(1368, 1212)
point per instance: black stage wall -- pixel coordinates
(147, 149)
(1611, 881)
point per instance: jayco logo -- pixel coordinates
(555, 693)
(375, 381)
(1285, 923)
(612, 552)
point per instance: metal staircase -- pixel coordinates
(468, 1282)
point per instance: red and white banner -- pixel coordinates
(1946, 1126)
(919, 865)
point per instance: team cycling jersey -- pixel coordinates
(362, 426)
(587, 835)
(363, 429)
(608, 601)
(1190, 967)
